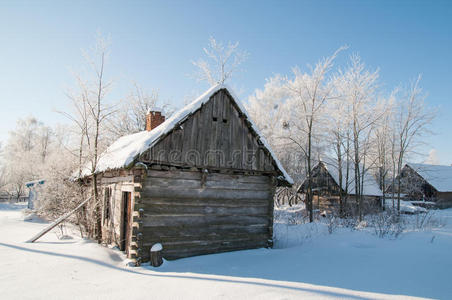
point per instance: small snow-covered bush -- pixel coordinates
(290, 214)
(287, 235)
(291, 226)
(387, 224)
(425, 221)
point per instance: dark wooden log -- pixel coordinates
(201, 193)
(156, 258)
(203, 220)
(173, 252)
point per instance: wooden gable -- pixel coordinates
(215, 136)
(322, 181)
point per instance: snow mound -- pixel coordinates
(406, 206)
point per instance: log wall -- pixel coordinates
(194, 213)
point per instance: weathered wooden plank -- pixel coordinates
(173, 183)
(197, 184)
(236, 139)
(170, 253)
(206, 136)
(171, 208)
(220, 194)
(187, 129)
(202, 202)
(210, 176)
(175, 147)
(191, 241)
(221, 151)
(117, 179)
(173, 174)
(211, 154)
(172, 231)
(199, 219)
(222, 131)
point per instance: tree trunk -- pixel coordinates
(98, 210)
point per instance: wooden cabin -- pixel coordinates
(325, 187)
(199, 182)
(426, 182)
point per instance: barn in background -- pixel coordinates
(199, 182)
(427, 182)
(325, 186)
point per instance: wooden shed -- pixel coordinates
(200, 182)
(426, 182)
(325, 184)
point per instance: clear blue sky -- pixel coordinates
(153, 43)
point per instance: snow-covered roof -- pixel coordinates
(440, 177)
(370, 185)
(124, 151)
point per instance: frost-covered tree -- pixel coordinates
(131, 115)
(219, 62)
(3, 176)
(339, 141)
(382, 147)
(25, 153)
(359, 87)
(91, 110)
(412, 120)
(309, 93)
(269, 109)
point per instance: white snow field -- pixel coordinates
(346, 264)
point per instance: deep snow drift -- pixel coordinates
(313, 264)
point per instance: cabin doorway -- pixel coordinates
(125, 227)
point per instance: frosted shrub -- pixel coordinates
(285, 235)
(426, 221)
(387, 224)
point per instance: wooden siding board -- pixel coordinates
(176, 174)
(169, 208)
(202, 193)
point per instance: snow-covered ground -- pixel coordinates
(314, 264)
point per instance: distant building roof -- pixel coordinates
(440, 177)
(370, 185)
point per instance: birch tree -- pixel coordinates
(309, 93)
(25, 153)
(383, 147)
(339, 133)
(220, 62)
(359, 87)
(92, 112)
(411, 123)
(131, 116)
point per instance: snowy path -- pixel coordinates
(350, 265)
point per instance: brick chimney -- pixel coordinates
(154, 118)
